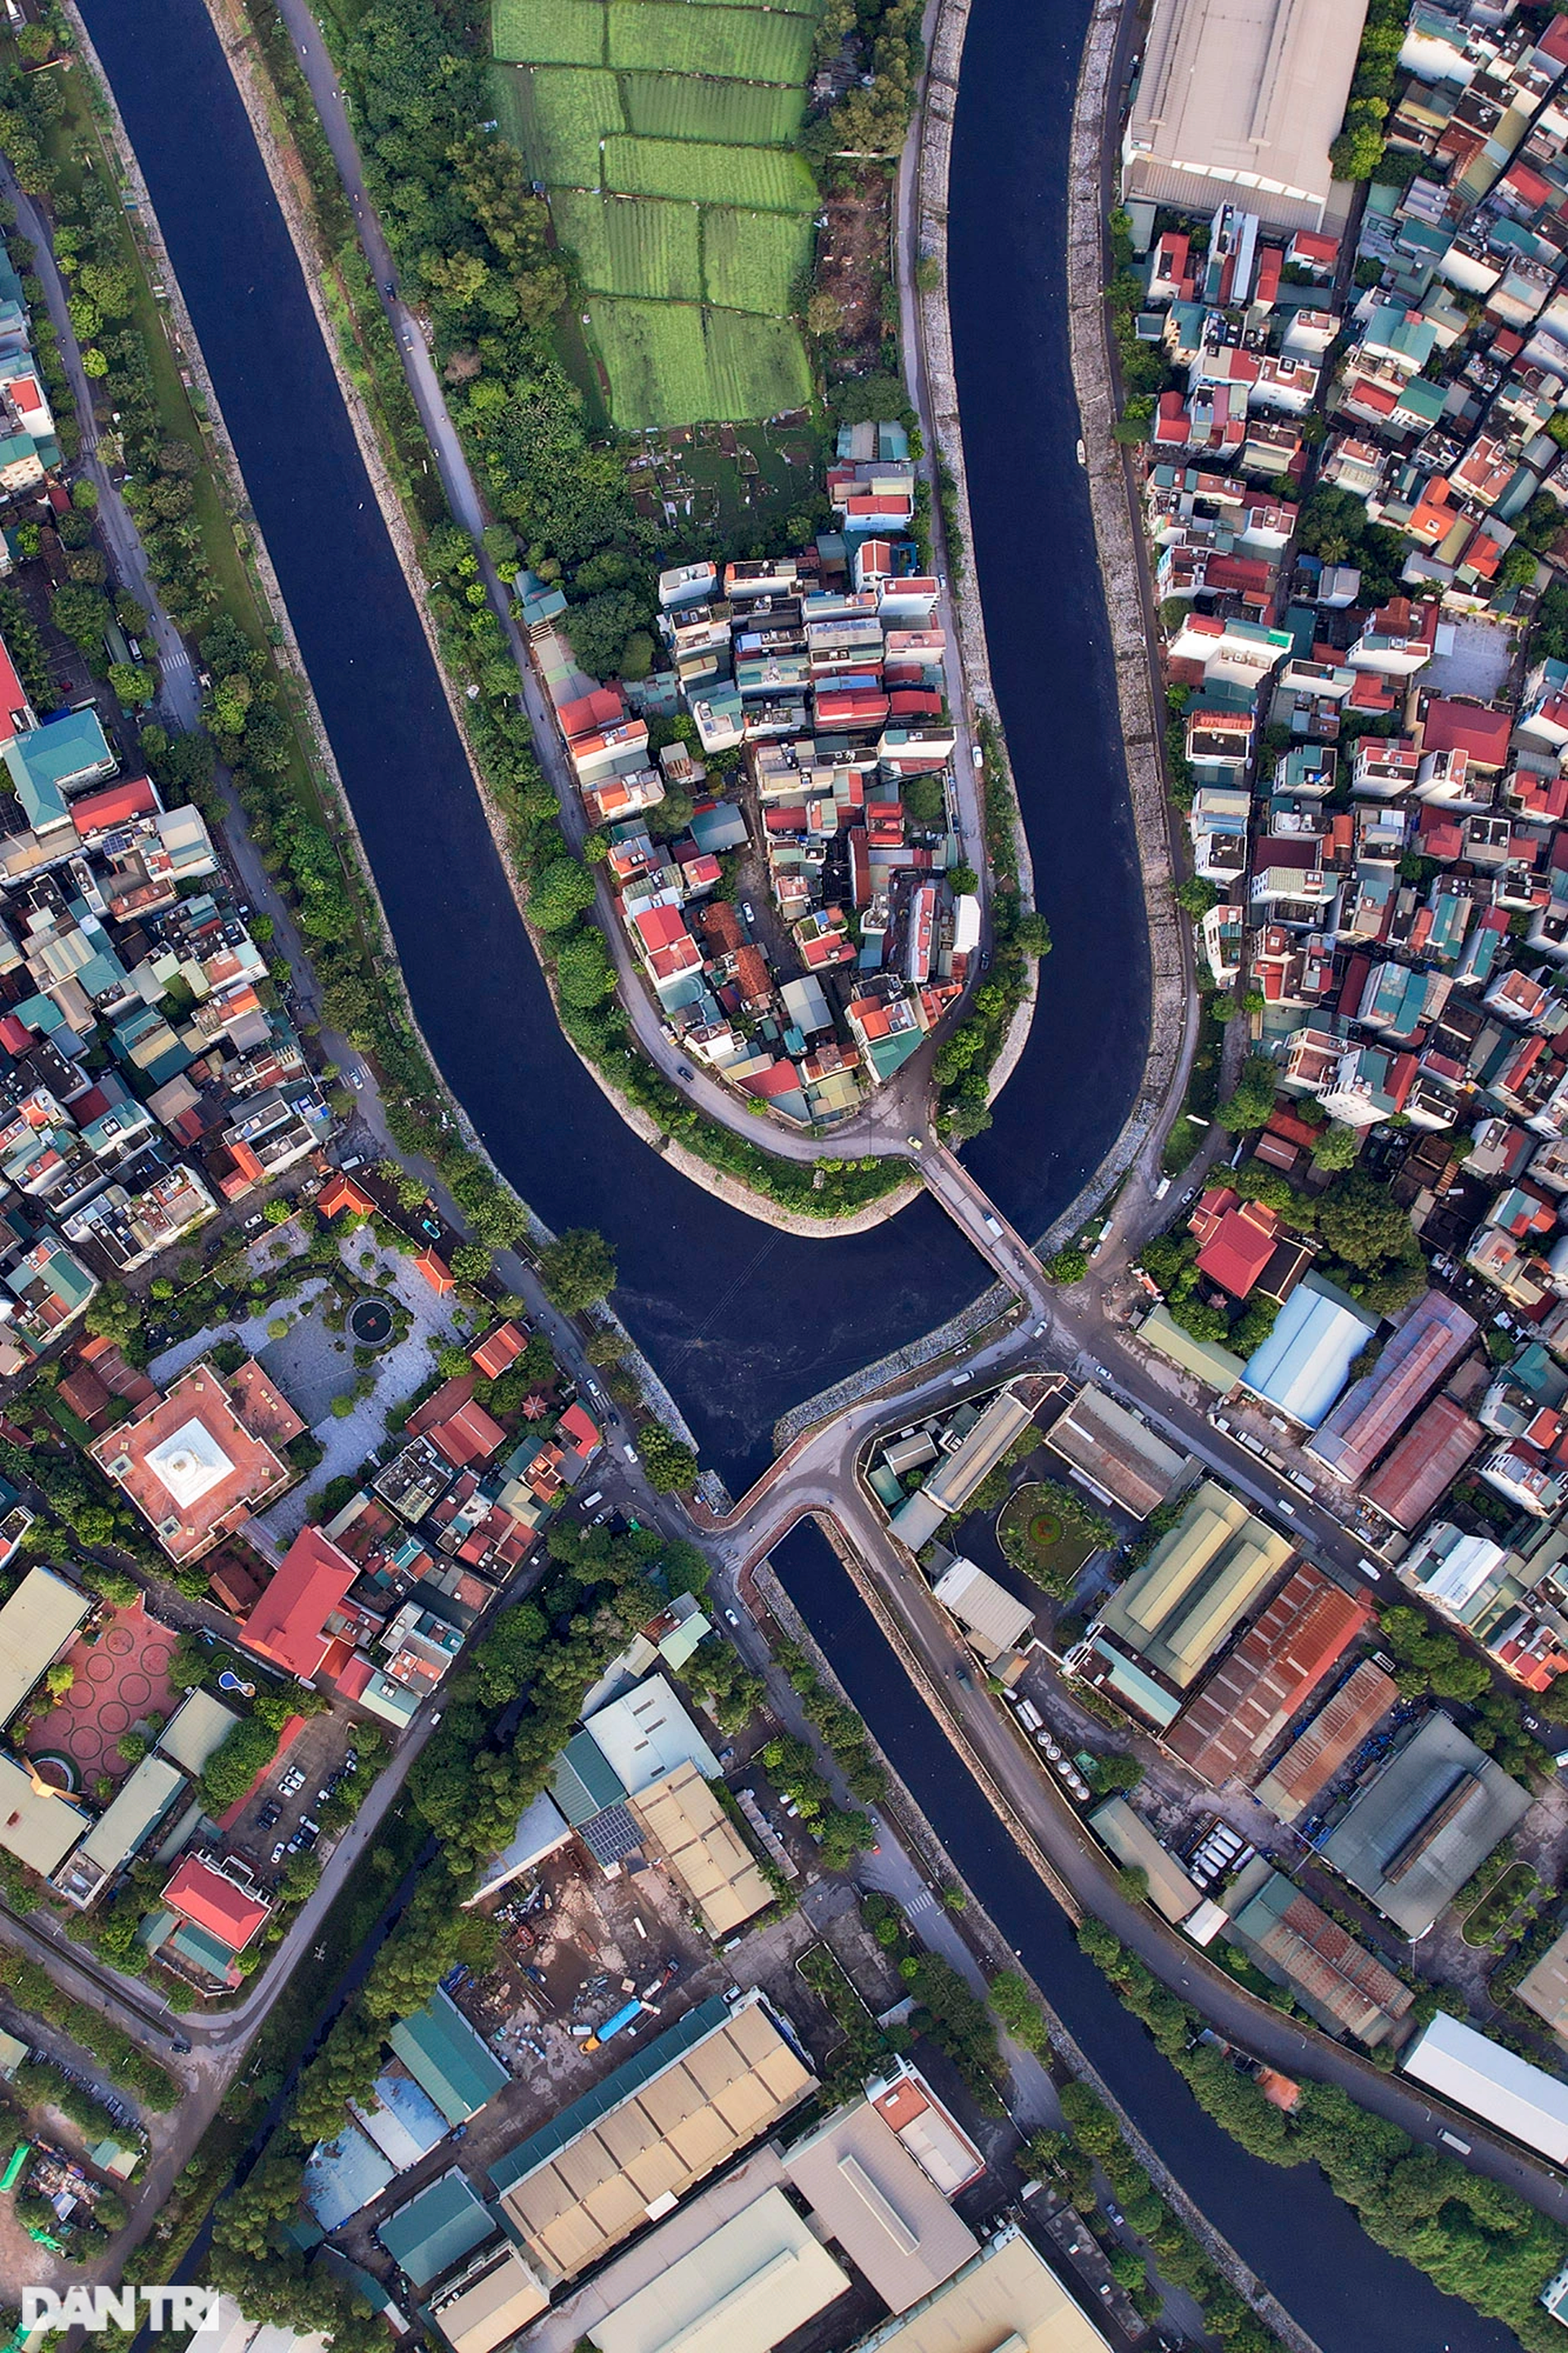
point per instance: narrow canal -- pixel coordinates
(1345, 2290)
(740, 1321)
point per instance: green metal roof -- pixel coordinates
(205, 1950)
(448, 2060)
(436, 2229)
(584, 1783)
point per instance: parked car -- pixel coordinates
(283, 1847)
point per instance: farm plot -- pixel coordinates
(549, 33)
(564, 112)
(672, 37)
(753, 261)
(760, 179)
(674, 363)
(755, 366)
(631, 245)
(656, 361)
(736, 113)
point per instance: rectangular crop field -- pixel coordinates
(631, 245)
(674, 363)
(760, 179)
(779, 8)
(565, 112)
(673, 37)
(755, 366)
(753, 261)
(730, 113)
(656, 361)
(549, 32)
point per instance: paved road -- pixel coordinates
(179, 696)
(984, 1736)
(879, 1130)
(906, 256)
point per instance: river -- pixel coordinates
(1345, 2290)
(740, 1322)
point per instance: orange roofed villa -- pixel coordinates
(204, 1457)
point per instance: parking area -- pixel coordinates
(271, 1824)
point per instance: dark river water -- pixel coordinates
(741, 1321)
(1346, 2291)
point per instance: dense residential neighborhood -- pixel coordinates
(794, 740)
(468, 1881)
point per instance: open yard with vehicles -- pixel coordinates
(662, 132)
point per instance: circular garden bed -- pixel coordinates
(371, 1323)
(1042, 1532)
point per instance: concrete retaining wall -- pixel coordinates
(1118, 529)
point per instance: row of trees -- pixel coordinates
(1476, 2239)
(1068, 2160)
(468, 1788)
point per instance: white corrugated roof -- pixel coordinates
(1493, 2084)
(759, 2278)
(989, 1609)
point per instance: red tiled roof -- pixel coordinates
(355, 1676)
(603, 708)
(498, 1349)
(437, 1272)
(1427, 1458)
(1277, 1664)
(213, 1903)
(581, 1429)
(13, 698)
(1467, 727)
(1241, 1246)
(96, 812)
(778, 1078)
(660, 927)
(287, 1624)
(469, 1435)
(341, 1192)
(446, 1400)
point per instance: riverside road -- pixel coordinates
(739, 1322)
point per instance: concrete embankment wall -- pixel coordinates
(1117, 532)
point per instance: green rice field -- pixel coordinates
(753, 261)
(672, 36)
(640, 248)
(762, 177)
(661, 131)
(550, 32)
(562, 113)
(736, 113)
(673, 362)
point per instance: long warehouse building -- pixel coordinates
(1477, 2074)
(1239, 102)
